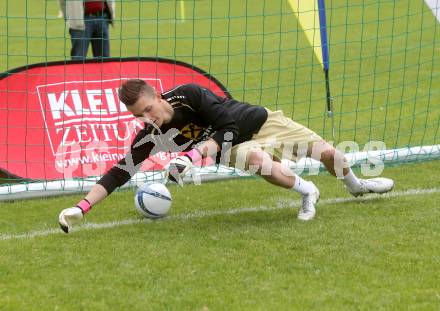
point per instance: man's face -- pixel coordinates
(151, 109)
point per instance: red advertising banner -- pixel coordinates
(64, 119)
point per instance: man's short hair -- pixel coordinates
(132, 89)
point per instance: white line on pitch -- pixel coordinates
(281, 204)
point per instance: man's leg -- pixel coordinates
(279, 175)
(77, 38)
(100, 37)
(337, 165)
(88, 33)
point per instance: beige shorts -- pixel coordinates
(279, 136)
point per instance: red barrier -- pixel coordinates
(64, 120)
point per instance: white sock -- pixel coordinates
(302, 186)
(351, 181)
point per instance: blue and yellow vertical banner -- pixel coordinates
(311, 16)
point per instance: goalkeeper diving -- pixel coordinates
(229, 132)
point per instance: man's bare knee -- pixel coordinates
(320, 149)
(335, 162)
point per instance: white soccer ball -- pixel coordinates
(153, 200)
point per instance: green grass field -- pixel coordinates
(237, 245)
(233, 245)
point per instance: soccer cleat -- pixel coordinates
(307, 210)
(373, 185)
(70, 217)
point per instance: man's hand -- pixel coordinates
(73, 215)
(177, 169)
(70, 217)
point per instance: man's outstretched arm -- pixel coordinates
(117, 176)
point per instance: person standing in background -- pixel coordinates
(88, 22)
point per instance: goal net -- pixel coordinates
(353, 71)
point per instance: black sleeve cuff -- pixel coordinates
(109, 183)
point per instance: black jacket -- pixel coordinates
(199, 114)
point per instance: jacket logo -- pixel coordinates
(192, 131)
